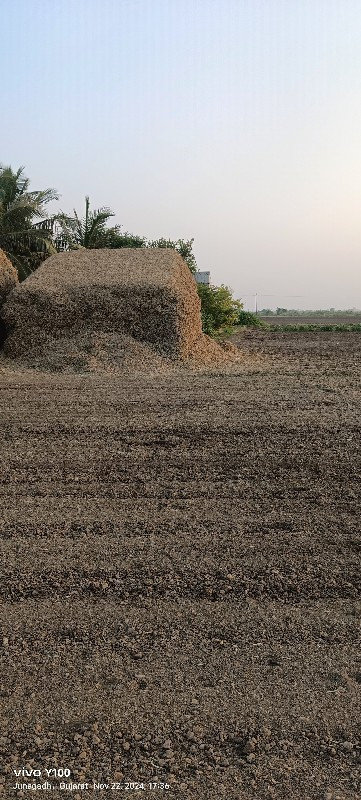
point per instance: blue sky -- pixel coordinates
(236, 122)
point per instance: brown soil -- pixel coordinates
(181, 575)
(346, 319)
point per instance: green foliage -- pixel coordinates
(89, 231)
(351, 328)
(249, 319)
(28, 236)
(219, 309)
(182, 246)
(25, 233)
(117, 239)
(297, 312)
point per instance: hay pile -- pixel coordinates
(8, 277)
(8, 281)
(110, 309)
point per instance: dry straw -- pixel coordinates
(132, 308)
(8, 276)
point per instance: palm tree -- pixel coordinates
(26, 242)
(89, 231)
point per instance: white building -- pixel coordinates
(203, 277)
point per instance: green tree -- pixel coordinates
(25, 231)
(115, 238)
(219, 309)
(182, 246)
(90, 231)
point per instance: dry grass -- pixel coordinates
(8, 276)
(110, 309)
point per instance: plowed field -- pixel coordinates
(180, 577)
(337, 319)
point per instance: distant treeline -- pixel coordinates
(296, 312)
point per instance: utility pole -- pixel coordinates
(255, 303)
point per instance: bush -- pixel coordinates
(219, 309)
(116, 239)
(249, 319)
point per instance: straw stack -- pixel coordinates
(79, 299)
(8, 276)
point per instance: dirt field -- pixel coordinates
(181, 573)
(347, 319)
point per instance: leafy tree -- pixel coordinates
(25, 233)
(219, 309)
(182, 246)
(92, 232)
(89, 231)
(117, 239)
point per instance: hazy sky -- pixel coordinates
(236, 122)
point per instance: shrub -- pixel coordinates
(249, 319)
(219, 309)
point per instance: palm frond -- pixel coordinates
(88, 231)
(45, 196)
(100, 218)
(11, 183)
